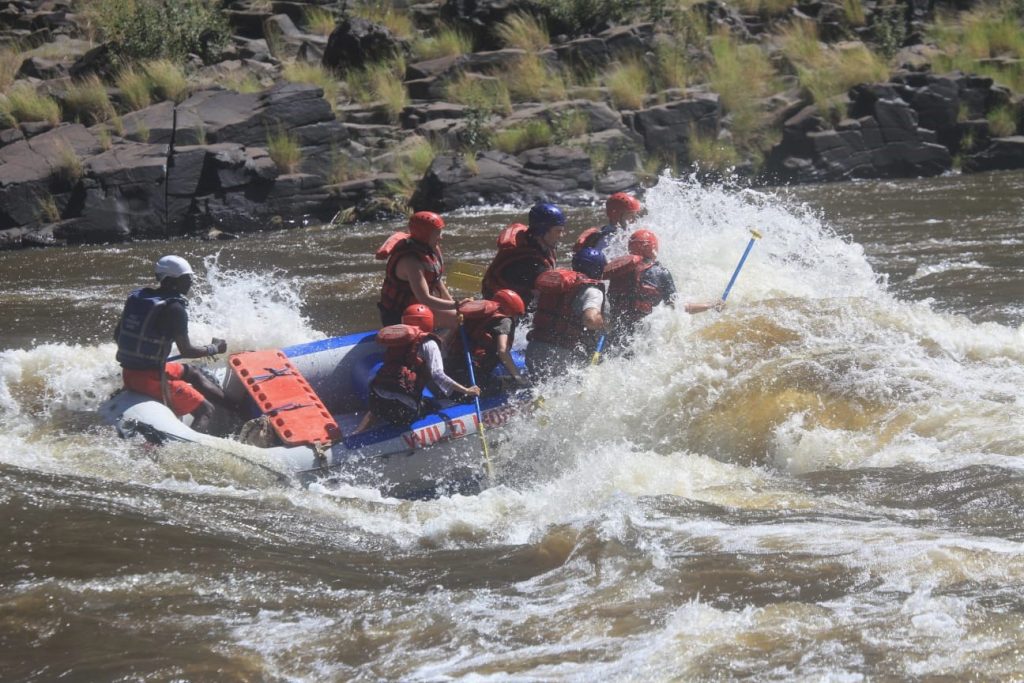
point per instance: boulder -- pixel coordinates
(555, 173)
(356, 42)
(668, 127)
(1001, 154)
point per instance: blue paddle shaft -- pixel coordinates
(472, 374)
(735, 273)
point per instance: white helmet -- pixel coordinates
(172, 266)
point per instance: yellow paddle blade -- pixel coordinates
(465, 276)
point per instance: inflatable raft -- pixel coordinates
(312, 396)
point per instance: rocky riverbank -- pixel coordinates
(278, 113)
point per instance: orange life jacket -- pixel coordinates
(395, 294)
(627, 293)
(555, 322)
(478, 318)
(515, 245)
(404, 369)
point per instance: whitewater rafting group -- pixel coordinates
(429, 338)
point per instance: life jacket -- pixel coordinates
(404, 369)
(140, 345)
(555, 322)
(628, 294)
(594, 237)
(395, 294)
(515, 244)
(478, 318)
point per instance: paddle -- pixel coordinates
(750, 245)
(466, 276)
(476, 400)
(597, 352)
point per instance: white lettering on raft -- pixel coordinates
(457, 428)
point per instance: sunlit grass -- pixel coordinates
(765, 8)
(1002, 121)
(530, 79)
(167, 80)
(314, 74)
(68, 167)
(484, 93)
(711, 154)
(982, 34)
(380, 83)
(447, 42)
(383, 13)
(672, 68)
(536, 133)
(10, 62)
(87, 101)
(319, 21)
(22, 103)
(135, 88)
(825, 72)
(742, 76)
(285, 150)
(628, 83)
(240, 81)
(853, 10)
(523, 31)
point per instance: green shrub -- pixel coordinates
(155, 29)
(672, 69)
(576, 17)
(448, 42)
(569, 124)
(383, 13)
(22, 103)
(284, 149)
(854, 12)
(1002, 121)
(532, 134)
(765, 8)
(87, 101)
(523, 31)
(135, 88)
(711, 154)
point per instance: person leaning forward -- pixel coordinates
(152, 320)
(415, 272)
(524, 252)
(572, 313)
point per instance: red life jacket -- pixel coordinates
(555, 322)
(395, 294)
(627, 293)
(477, 319)
(515, 245)
(404, 369)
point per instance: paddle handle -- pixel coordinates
(755, 235)
(476, 401)
(597, 352)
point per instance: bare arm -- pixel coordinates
(410, 270)
(692, 308)
(592, 319)
(501, 347)
(186, 349)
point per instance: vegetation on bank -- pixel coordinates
(158, 51)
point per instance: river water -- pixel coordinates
(823, 482)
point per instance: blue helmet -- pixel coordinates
(543, 217)
(590, 262)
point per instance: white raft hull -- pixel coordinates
(439, 453)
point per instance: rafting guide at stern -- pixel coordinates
(152, 320)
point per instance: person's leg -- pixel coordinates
(201, 417)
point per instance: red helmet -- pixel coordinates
(423, 224)
(509, 302)
(418, 315)
(643, 243)
(619, 204)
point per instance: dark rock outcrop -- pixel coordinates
(555, 173)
